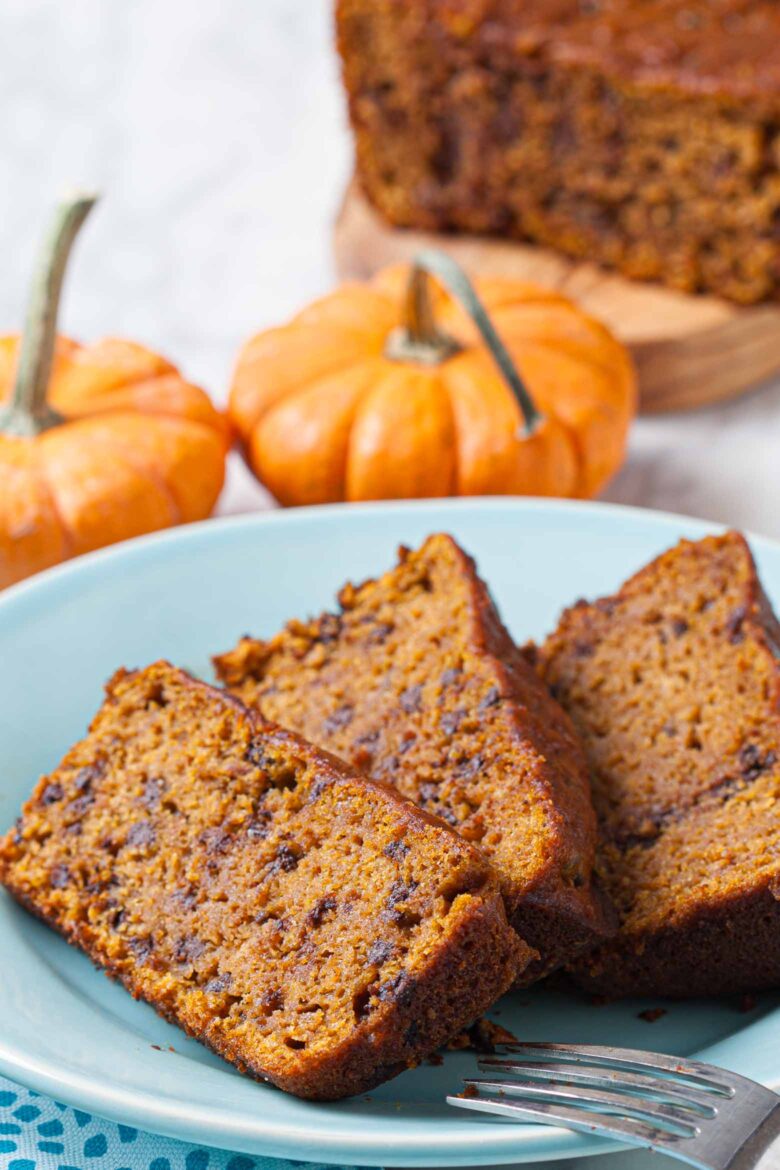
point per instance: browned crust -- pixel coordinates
(558, 919)
(475, 964)
(741, 934)
(684, 48)
(655, 152)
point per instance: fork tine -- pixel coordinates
(598, 1100)
(631, 1059)
(637, 1133)
(639, 1084)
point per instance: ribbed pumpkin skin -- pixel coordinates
(141, 449)
(325, 416)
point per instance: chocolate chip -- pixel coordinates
(152, 792)
(449, 676)
(491, 698)
(286, 859)
(216, 841)
(396, 850)
(470, 767)
(734, 624)
(341, 717)
(680, 627)
(139, 834)
(401, 892)
(450, 721)
(411, 699)
(317, 789)
(141, 947)
(219, 983)
(188, 949)
(583, 649)
(79, 806)
(52, 793)
(260, 825)
(429, 792)
(187, 899)
(256, 754)
(59, 877)
(752, 763)
(405, 744)
(320, 910)
(379, 634)
(272, 1001)
(385, 766)
(379, 952)
(399, 989)
(368, 740)
(329, 627)
(85, 777)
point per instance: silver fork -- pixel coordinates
(701, 1114)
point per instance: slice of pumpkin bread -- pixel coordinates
(417, 682)
(674, 686)
(311, 926)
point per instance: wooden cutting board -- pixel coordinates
(689, 350)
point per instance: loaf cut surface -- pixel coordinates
(417, 682)
(642, 134)
(674, 686)
(308, 924)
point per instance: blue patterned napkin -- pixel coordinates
(37, 1133)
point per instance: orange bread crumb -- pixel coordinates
(417, 682)
(674, 686)
(309, 925)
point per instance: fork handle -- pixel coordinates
(762, 1149)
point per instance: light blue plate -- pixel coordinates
(65, 1030)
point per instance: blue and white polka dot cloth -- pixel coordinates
(37, 1133)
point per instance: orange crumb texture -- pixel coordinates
(416, 681)
(674, 686)
(310, 925)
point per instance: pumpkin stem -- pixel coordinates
(28, 412)
(420, 339)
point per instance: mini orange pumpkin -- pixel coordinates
(98, 442)
(398, 388)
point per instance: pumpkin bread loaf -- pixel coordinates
(417, 682)
(642, 134)
(674, 686)
(309, 925)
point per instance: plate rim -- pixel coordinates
(255, 1134)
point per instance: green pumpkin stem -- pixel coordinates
(421, 340)
(27, 412)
